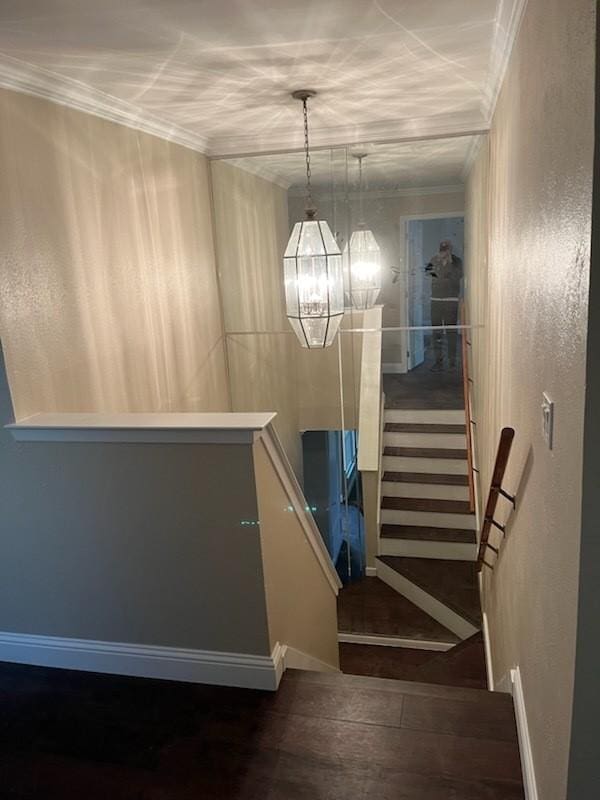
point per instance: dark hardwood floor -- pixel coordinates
(431, 478)
(424, 389)
(80, 736)
(464, 665)
(369, 606)
(425, 452)
(427, 533)
(454, 583)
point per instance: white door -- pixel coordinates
(416, 275)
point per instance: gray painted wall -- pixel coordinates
(121, 542)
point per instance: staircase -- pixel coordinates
(426, 593)
(427, 546)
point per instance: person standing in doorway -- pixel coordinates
(446, 271)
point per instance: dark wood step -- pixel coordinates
(423, 427)
(491, 701)
(371, 607)
(429, 504)
(424, 533)
(426, 477)
(453, 583)
(425, 452)
(463, 665)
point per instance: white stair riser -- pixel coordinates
(442, 466)
(427, 518)
(446, 440)
(431, 490)
(452, 551)
(430, 605)
(431, 417)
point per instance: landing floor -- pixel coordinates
(67, 735)
(421, 388)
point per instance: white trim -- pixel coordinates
(371, 572)
(296, 498)
(438, 126)
(393, 368)
(146, 661)
(471, 156)
(30, 79)
(260, 170)
(506, 30)
(296, 659)
(426, 602)
(511, 683)
(489, 667)
(369, 406)
(383, 194)
(527, 764)
(394, 641)
(206, 428)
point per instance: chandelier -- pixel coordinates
(312, 267)
(363, 256)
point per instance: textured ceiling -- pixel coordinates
(216, 74)
(395, 166)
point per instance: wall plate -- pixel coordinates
(548, 420)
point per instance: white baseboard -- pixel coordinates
(371, 572)
(146, 661)
(296, 659)
(527, 765)
(397, 369)
(510, 683)
(488, 653)
(394, 641)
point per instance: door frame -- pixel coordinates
(404, 220)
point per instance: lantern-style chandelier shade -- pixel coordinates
(312, 269)
(363, 257)
(314, 283)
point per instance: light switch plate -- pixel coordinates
(547, 420)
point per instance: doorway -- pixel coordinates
(423, 235)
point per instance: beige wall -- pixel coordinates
(533, 299)
(251, 232)
(109, 296)
(301, 605)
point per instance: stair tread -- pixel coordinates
(372, 608)
(428, 533)
(453, 583)
(463, 665)
(427, 504)
(425, 477)
(425, 452)
(485, 698)
(424, 427)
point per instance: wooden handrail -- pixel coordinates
(504, 446)
(468, 421)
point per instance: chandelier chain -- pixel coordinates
(309, 198)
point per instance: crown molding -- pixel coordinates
(20, 76)
(506, 29)
(260, 170)
(441, 126)
(381, 194)
(470, 158)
